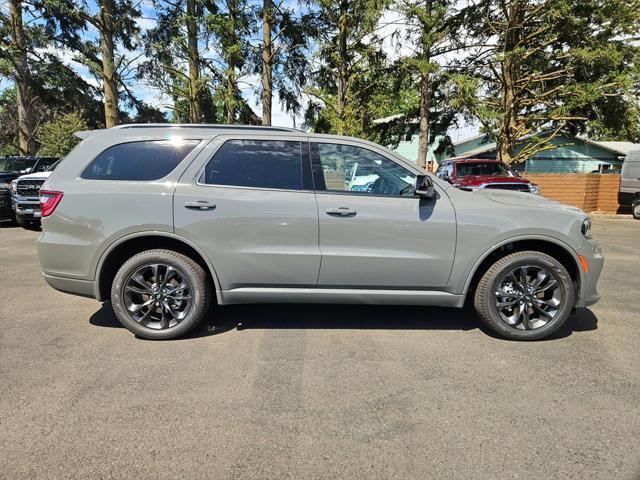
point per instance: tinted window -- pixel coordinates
(256, 163)
(354, 169)
(139, 160)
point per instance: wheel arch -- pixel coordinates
(551, 246)
(124, 248)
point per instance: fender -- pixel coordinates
(156, 233)
(506, 241)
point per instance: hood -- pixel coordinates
(35, 176)
(6, 176)
(475, 180)
(522, 199)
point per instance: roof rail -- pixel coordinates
(207, 125)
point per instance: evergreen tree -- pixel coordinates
(282, 55)
(529, 81)
(428, 30)
(232, 22)
(115, 22)
(56, 136)
(15, 52)
(174, 51)
(350, 67)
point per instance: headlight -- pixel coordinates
(533, 188)
(585, 228)
(5, 186)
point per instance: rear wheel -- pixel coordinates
(525, 296)
(160, 294)
(635, 206)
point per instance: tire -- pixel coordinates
(501, 299)
(157, 322)
(635, 208)
(27, 224)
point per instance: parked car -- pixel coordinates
(162, 220)
(10, 169)
(629, 194)
(473, 174)
(25, 197)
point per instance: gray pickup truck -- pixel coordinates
(629, 195)
(162, 220)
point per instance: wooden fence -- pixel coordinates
(592, 192)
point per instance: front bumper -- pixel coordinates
(589, 288)
(26, 207)
(6, 212)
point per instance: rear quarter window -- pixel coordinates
(146, 160)
(256, 163)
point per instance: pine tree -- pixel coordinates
(428, 30)
(532, 79)
(282, 58)
(232, 22)
(16, 43)
(350, 66)
(115, 22)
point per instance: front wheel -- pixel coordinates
(635, 206)
(160, 294)
(525, 296)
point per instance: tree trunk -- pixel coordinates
(109, 78)
(267, 94)
(25, 99)
(342, 66)
(507, 136)
(231, 73)
(425, 100)
(195, 109)
(230, 95)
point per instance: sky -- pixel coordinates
(154, 97)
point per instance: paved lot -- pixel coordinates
(307, 392)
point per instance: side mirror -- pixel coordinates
(424, 187)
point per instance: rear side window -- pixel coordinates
(149, 160)
(256, 163)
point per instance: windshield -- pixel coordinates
(16, 164)
(479, 168)
(53, 166)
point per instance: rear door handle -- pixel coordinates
(200, 205)
(341, 212)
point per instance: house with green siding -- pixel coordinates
(572, 154)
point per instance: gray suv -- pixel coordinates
(162, 220)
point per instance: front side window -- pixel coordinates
(345, 168)
(257, 164)
(141, 161)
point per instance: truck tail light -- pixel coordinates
(49, 201)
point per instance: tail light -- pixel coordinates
(49, 201)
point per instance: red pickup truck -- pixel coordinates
(473, 174)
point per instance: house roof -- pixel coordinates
(621, 148)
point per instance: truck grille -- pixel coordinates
(521, 187)
(29, 188)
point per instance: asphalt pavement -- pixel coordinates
(317, 391)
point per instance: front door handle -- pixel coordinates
(200, 205)
(341, 212)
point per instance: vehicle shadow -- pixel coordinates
(345, 317)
